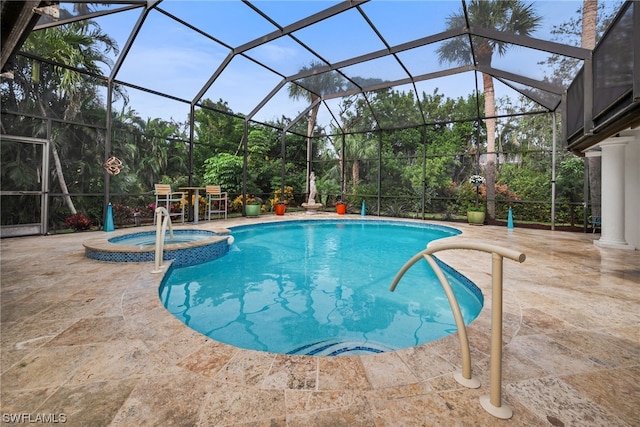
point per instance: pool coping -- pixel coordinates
(182, 254)
(104, 245)
(108, 350)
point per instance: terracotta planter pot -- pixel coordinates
(280, 208)
(252, 210)
(341, 209)
(476, 217)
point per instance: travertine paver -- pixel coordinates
(91, 341)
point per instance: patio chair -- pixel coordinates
(165, 197)
(216, 201)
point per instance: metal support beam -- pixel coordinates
(533, 43)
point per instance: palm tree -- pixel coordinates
(511, 16)
(80, 45)
(312, 88)
(357, 148)
(162, 150)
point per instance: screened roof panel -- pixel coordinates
(150, 106)
(509, 96)
(425, 59)
(283, 55)
(231, 85)
(321, 83)
(547, 99)
(376, 70)
(278, 105)
(417, 19)
(103, 66)
(404, 113)
(285, 13)
(231, 22)
(555, 13)
(118, 26)
(523, 61)
(432, 90)
(340, 37)
(453, 86)
(176, 52)
(169, 57)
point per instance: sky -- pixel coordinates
(171, 58)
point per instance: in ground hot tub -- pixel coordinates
(188, 246)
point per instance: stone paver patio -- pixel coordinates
(91, 343)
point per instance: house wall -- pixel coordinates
(632, 189)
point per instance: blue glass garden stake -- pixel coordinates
(510, 220)
(108, 220)
(363, 211)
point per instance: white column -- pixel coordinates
(613, 193)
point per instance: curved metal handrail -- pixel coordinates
(161, 229)
(493, 403)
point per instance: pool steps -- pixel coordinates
(339, 348)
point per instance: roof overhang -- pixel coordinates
(604, 98)
(18, 19)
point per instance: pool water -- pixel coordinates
(320, 288)
(148, 238)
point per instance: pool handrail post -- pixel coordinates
(161, 229)
(465, 378)
(492, 403)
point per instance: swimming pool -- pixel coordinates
(320, 287)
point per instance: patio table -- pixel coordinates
(196, 191)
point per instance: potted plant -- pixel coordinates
(341, 207)
(280, 202)
(253, 206)
(280, 207)
(476, 214)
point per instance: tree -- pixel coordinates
(357, 148)
(511, 16)
(586, 29)
(80, 45)
(163, 151)
(225, 169)
(312, 88)
(217, 131)
(569, 180)
(562, 69)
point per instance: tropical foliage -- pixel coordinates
(280, 197)
(513, 16)
(419, 172)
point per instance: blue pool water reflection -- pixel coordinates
(321, 288)
(148, 238)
